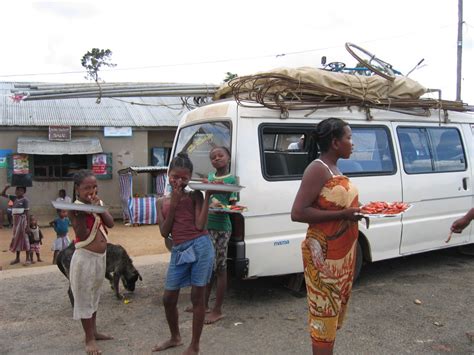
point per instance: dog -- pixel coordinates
(119, 266)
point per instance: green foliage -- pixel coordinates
(229, 76)
(94, 59)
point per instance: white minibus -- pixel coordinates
(424, 161)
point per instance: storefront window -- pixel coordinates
(60, 167)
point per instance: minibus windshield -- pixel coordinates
(198, 140)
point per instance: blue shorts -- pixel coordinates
(195, 273)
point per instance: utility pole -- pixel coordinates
(459, 53)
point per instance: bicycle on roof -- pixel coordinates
(368, 64)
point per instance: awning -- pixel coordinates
(42, 146)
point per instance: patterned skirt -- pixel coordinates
(328, 291)
(20, 241)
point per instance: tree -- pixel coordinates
(92, 61)
(229, 76)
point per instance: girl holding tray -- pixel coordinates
(328, 202)
(88, 262)
(184, 216)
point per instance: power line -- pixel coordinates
(176, 64)
(221, 60)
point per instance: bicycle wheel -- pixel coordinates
(384, 69)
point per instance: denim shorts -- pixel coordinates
(195, 273)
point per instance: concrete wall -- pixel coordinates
(127, 151)
(161, 138)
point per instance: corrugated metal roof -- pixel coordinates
(146, 112)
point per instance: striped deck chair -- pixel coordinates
(160, 183)
(126, 185)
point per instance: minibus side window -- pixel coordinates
(372, 154)
(284, 156)
(283, 153)
(415, 152)
(431, 149)
(448, 152)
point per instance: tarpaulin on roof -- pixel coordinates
(322, 83)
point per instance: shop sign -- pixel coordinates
(3, 157)
(21, 164)
(117, 131)
(59, 133)
(99, 164)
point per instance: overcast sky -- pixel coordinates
(199, 41)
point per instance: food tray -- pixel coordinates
(215, 187)
(227, 210)
(383, 215)
(61, 205)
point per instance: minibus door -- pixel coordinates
(436, 179)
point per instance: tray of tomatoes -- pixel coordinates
(220, 208)
(381, 209)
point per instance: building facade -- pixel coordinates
(49, 140)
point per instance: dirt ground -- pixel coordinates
(262, 317)
(141, 240)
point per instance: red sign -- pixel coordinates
(21, 164)
(99, 164)
(99, 169)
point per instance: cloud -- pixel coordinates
(50, 36)
(75, 10)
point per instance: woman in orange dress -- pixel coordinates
(328, 202)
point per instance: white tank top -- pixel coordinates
(330, 171)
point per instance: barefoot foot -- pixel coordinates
(191, 351)
(99, 336)
(171, 343)
(213, 317)
(91, 348)
(16, 261)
